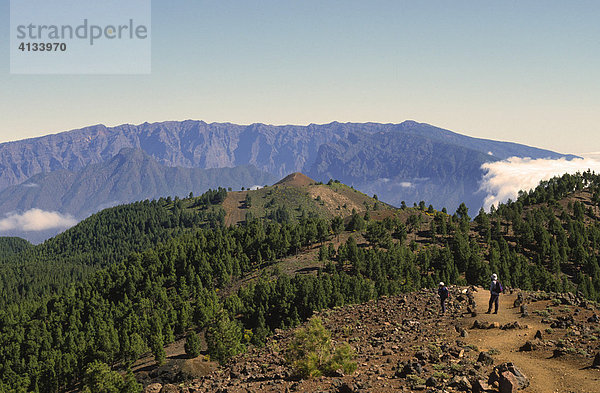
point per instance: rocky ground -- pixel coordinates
(537, 343)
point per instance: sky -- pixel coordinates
(527, 72)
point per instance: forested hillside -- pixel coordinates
(12, 245)
(103, 239)
(548, 239)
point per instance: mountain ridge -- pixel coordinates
(129, 176)
(408, 161)
(66, 150)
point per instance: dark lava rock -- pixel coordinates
(422, 355)
(531, 345)
(519, 300)
(480, 325)
(538, 335)
(432, 382)
(481, 386)
(461, 383)
(410, 367)
(558, 352)
(457, 352)
(511, 325)
(594, 318)
(485, 358)
(500, 374)
(347, 388)
(471, 310)
(596, 363)
(524, 311)
(563, 322)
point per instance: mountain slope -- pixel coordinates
(129, 176)
(405, 166)
(28, 272)
(280, 150)
(295, 195)
(141, 302)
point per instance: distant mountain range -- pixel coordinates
(129, 176)
(81, 171)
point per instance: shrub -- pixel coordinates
(99, 378)
(224, 337)
(311, 353)
(192, 345)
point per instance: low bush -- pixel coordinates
(312, 354)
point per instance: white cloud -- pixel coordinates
(504, 179)
(406, 184)
(30, 185)
(36, 220)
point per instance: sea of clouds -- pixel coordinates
(504, 179)
(36, 220)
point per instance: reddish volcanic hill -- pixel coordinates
(296, 179)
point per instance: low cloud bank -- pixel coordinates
(504, 179)
(36, 220)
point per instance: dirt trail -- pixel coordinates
(232, 204)
(546, 374)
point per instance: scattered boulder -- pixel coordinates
(511, 325)
(461, 383)
(596, 363)
(507, 375)
(508, 382)
(563, 322)
(485, 358)
(481, 386)
(558, 352)
(456, 352)
(524, 311)
(531, 345)
(422, 355)
(410, 367)
(538, 335)
(432, 382)
(471, 311)
(346, 388)
(519, 300)
(480, 325)
(594, 318)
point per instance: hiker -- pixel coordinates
(443, 294)
(495, 290)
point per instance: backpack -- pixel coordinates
(499, 288)
(444, 293)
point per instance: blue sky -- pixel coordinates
(527, 72)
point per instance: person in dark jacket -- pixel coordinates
(495, 290)
(443, 294)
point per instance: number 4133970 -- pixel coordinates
(42, 46)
